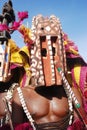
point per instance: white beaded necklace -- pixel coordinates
(70, 94)
(25, 107)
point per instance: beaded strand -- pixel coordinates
(25, 107)
(68, 88)
(70, 94)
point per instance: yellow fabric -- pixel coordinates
(17, 53)
(16, 58)
(24, 54)
(26, 32)
(77, 69)
(73, 51)
(65, 43)
(25, 50)
(20, 56)
(14, 50)
(13, 46)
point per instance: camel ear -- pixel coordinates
(10, 3)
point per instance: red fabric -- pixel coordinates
(24, 126)
(85, 94)
(77, 125)
(5, 127)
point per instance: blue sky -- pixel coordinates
(72, 14)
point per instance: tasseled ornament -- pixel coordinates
(22, 15)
